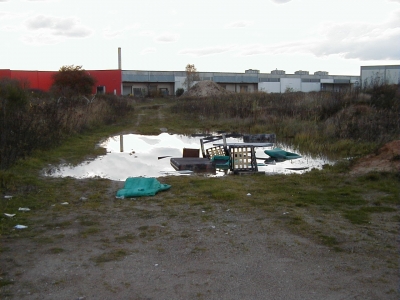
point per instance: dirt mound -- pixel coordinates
(206, 88)
(387, 159)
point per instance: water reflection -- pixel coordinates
(134, 155)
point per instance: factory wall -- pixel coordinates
(269, 87)
(292, 84)
(372, 75)
(43, 80)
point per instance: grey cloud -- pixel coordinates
(67, 27)
(361, 40)
(167, 38)
(206, 51)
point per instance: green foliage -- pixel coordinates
(179, 92)
(29, 123)
(316, 119)
(72, 80)
(385, 96)
(13, 96)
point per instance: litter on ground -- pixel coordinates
(141, 186)
(24, 209)
(20, 226)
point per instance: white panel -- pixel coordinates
(310, 87)
(230, 87)
(269, 87)
(330, 80)
(179, 83)
(371, 77)
(393, 76)
(290, 83)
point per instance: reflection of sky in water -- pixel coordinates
(140, 158)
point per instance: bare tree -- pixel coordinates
(191, 76)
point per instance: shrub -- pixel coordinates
(179, 92)
(28, 123)
(72, 80)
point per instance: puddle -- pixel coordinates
(134, 155)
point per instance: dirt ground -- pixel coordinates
(142, 249)
(386, 159)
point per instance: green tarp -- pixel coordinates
(141, 186)
(278, 153)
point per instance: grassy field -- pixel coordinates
(330, 189)
(342, 212)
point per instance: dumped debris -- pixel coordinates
(206, 88)
(20, 227)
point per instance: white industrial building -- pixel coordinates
(167, 82)
(377, 75)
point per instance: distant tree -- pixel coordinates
(191, 76)
(73, 80)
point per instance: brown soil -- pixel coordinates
(206, 88)
(386, 159)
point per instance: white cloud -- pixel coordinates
(41, 38)
(206, 51)
(398, 1)
(350, 40)
(281, 1)
(146, 33)
(361, 40)
(239, 24)
(282, 48)
(109, 33)
(65, 27)
(3, 14)
(112, 34)
(167, 37)
(148, 51)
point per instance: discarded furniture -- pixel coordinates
(195, 164)
(259, 138)
(236, 157)
(187, 152)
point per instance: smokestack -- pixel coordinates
(119, 59)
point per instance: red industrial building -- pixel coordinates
(107, 81)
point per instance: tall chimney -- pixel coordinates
(119, 59)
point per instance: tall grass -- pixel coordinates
(31, 121)
(318, 118)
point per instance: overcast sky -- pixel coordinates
(337, 36)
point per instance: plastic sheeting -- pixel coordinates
(141, 186)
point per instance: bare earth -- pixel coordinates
(141, 249)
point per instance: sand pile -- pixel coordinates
(387, 159)
(206, 88)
